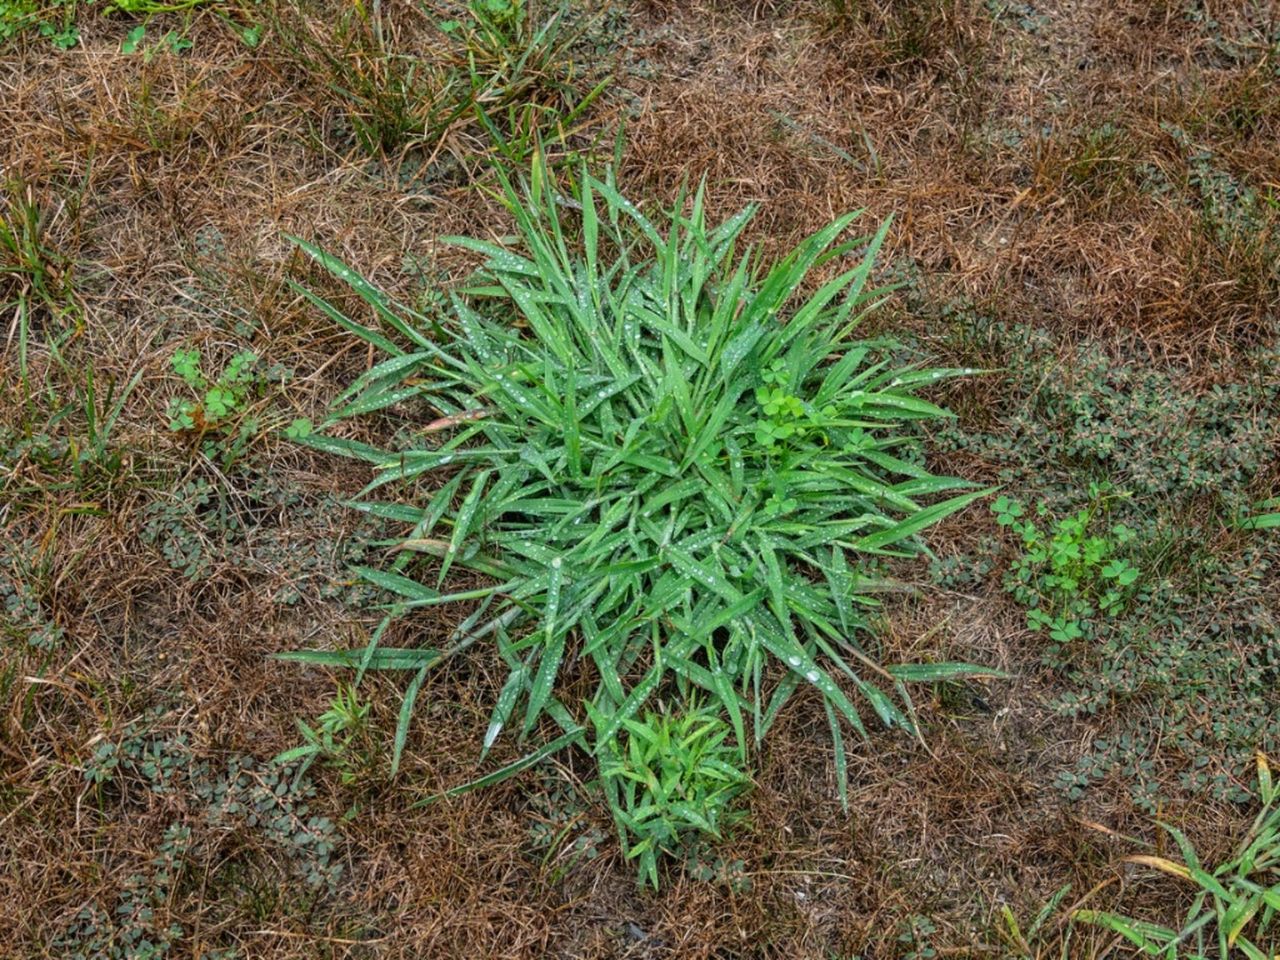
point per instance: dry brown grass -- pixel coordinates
(979, 137)
(1055, 223)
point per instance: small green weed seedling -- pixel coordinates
(784, 416)
(1029, 942)
(218, 400)
(915, 938)
(1236, 904)
(1068, 574)
(671, 780)
(333, 738)
(170, 42)
(220, 405)
(501, 19)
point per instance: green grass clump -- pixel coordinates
(1263, 521)
(667, 465)
(485, 77)
(36, 279)
(1235, 905)
(674, 777)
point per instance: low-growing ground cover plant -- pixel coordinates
(209, 807)
(51, 20)
(661, 477)
(56, 20)
(1167, 478)
(658, 475)
(1071, 572)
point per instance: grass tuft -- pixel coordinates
(455, 80)
(656, 473)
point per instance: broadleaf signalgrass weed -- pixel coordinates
(666, 463)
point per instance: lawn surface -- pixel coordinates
(1086, 203)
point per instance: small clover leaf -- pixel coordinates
(298, 429)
